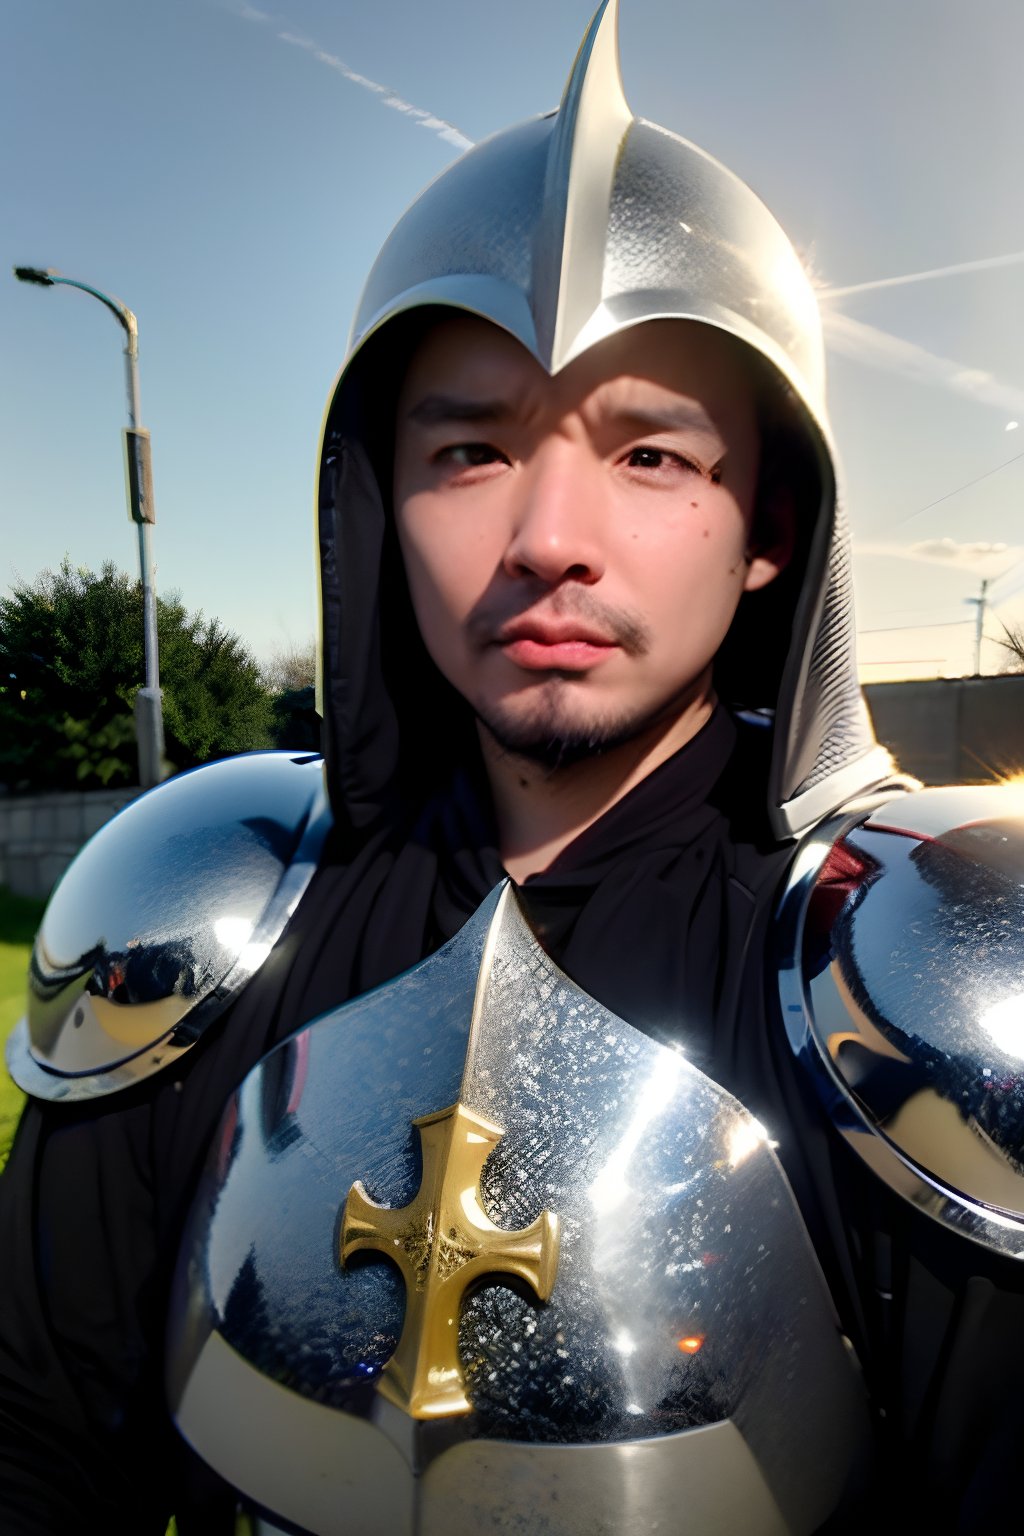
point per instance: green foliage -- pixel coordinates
(19, 919)
(296, 722)
(289, 675)
(71, 661)
(214, 699)
(100, 752)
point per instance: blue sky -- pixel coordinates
(224, 170)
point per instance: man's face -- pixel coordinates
(576, 546)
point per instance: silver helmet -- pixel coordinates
(585, 222)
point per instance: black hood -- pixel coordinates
(563, 231)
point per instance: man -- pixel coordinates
(575, 570)
(586, 622)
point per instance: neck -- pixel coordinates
(540, 810)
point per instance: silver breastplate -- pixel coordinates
(472, 1253)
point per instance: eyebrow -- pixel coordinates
(435, 410)
(666, 418)
(446, 410)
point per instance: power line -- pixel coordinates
(1003, 597)
(958, 491)
(888, 629)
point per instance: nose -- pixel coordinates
(555, 534)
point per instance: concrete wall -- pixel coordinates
(40, 834)
(965, 730)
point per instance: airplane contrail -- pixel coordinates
(1013, 259)
(385, 95)
(868, 344)
(852, 338)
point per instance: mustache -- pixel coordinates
(626, 628)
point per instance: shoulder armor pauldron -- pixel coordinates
(902, 986)
(162, 918)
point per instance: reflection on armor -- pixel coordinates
(283, 1083)
(162, 918)
(904, 992)
(686, 1324)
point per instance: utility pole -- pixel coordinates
(138, 463)
(981, 603)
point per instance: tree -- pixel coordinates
(290, 676)
(291, 668)
(1013, 643)
(72, 660)
(296, 725)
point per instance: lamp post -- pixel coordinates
(149, 722)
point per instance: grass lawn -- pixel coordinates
(19, 919)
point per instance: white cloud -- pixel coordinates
(950, 549)
(982, 557)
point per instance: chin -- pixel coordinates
(550, 732)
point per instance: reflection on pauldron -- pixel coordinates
(910, 995)
(161, 919)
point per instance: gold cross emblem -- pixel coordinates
(442, 1241)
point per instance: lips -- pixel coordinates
(559, 645)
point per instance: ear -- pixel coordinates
(772, 538)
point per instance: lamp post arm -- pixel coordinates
(46, 277)
(124, 316)
(130, 325)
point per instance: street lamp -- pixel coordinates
(138, 463)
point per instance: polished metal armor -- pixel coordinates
(161, 920)
(471, 1250)
(902, 988)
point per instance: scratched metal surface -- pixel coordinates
(901, 985)
(676, 1220)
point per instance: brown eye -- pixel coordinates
(646, 458)
(472, 455)
(662, 461)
